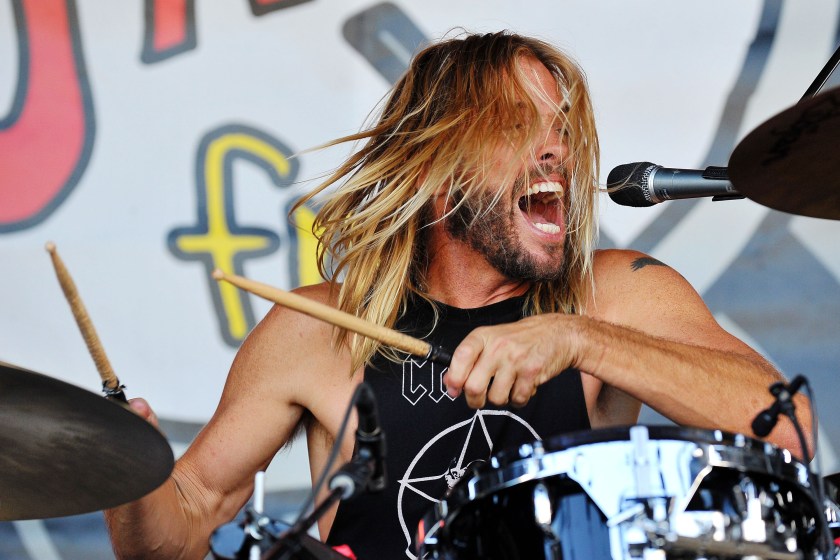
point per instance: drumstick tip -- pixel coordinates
(50, 247)
(217, 274)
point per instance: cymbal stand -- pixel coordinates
(256, 519)
(823, 76)
(243, 541)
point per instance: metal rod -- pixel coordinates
(823, 76)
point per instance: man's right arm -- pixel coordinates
(257, 414)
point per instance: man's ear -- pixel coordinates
(439, 199)
(442, 201)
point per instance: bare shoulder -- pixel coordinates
(625, 266)
(642, 292)
(324, 293)
(290, 352)
(625, 271)
(289, 325)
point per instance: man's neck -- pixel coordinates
(461, 277)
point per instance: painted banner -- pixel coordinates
(155, 141)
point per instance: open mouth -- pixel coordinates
(542, 205)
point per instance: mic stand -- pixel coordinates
(350, 481)
(247, 539)
(289, 545)
(364, 472)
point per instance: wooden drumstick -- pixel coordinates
(110, 384)
(390, 337)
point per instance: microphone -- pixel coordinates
(644, 183)
(367, 469)
(766, 420)
(369, 436)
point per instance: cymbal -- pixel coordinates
(66, 451)
(790, 162)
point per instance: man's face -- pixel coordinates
(523, 235)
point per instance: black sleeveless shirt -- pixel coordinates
(432, 439)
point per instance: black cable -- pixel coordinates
(336, 448)
(789, 410)
(817, 480)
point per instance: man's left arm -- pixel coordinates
(647, 336)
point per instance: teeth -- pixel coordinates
(548, 228)
(545, 187)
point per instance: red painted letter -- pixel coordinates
(45, 141)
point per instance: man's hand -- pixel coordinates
(141, 408)
(506, 363)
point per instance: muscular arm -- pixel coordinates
(258, 412)
(647, 337)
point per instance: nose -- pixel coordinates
(554, 147)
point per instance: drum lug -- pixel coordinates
(544, 510)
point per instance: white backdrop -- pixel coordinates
(283, 75)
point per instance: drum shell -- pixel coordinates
(693, 477)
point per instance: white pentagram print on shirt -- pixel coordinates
(422, 481)
(433, 438)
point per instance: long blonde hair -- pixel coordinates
(457, 101)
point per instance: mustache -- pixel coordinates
(536, 174)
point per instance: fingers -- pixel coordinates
(463, 361)
(472, 372)
(499, 391)
(493, 366)
(499, 384)
(522, 392)
(141, 408)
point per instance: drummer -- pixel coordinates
(467, 218)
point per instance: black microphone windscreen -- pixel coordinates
(764, 423)
(624, 184)
(366, 407)
(365, 399)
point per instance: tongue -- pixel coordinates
(537, 211)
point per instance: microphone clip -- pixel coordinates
(371, 450)
(354, 477)
(766, 420)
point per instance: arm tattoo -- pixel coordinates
(642, 262)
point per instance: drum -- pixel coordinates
(629, 493)
(832, 509)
